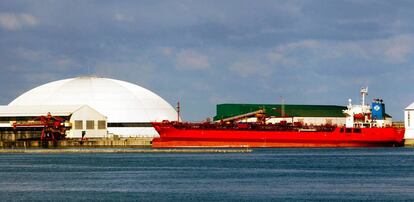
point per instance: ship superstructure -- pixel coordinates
(364, 115)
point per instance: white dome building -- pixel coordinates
(129, 108)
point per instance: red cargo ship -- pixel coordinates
(174, 135)
(364, 127)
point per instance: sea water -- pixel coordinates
(375, 174)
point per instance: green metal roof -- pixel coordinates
(229, 110)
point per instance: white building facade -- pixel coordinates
(409, 123)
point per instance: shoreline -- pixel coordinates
(111, 150)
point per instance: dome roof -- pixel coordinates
(119, 101)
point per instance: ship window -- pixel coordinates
(408, 118)
(101, 124)
(90, 125)
(348, 130)
(342, 130)
(78, 125)
(357, 130)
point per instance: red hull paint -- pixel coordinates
(171, 137)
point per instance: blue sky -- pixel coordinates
(208, 52)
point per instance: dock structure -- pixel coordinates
(118, 150)
(79, 143)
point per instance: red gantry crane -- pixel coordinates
(53, 128)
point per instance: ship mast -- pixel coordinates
(178, 111)
(283, 114)
(364, 92)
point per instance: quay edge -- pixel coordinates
(92, 143)
(409, 143)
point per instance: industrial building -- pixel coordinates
(409, 124)
(83, 119)
(92, 106)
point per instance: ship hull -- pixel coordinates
(157, 143)
(171, 137)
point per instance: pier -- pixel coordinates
(76, 143)
(94, 150)
(104, 145)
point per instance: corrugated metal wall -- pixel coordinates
(229, 110)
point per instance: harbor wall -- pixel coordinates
(100, 143)
(92, 143)
(409, 143)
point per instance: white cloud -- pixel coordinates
(215, 98)
(123, 18)
(286, 54)
(167, 51)
(15, 22)
(304, 44)
(28, 54)
(66, 63)
(192, 60)
(45, 60)
(246, 68)
(395, 49)
(130, 69)
(280, 58)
